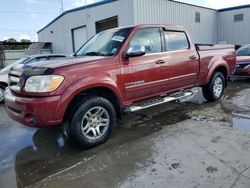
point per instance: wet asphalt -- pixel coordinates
(188, 144)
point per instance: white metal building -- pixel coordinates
(234, 25)
(72, 28)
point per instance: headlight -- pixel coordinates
(42, 84)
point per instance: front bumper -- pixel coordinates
(33, 112)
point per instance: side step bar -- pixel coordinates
(155, 102)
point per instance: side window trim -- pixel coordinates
(165, 40)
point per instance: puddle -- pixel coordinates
(158, 121)
(243, 114)
(243, 124)
(241, 120)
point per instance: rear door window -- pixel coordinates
(175, 40)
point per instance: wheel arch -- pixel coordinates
(101, 91)
(219, 66)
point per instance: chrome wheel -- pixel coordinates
(218, 87)
(95, 123)
(1, 95)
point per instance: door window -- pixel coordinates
(176, 40)
(150, 38)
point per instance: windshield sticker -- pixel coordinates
(118, 38)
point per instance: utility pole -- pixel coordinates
(61, 2)
(86, 14)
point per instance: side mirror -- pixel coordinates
(136, 50)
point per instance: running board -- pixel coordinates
(156, 101)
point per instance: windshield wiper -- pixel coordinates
(95, 54)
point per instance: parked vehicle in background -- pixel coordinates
(118, 71)
(23, 61)
(243, 62)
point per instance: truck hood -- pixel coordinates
(63, 62)
(245, 59)
(48, 67)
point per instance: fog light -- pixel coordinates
(30, 120)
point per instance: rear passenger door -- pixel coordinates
(181, 66)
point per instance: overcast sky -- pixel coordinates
(21, 19)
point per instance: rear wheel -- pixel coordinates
(93, 122)
(2, 88)
(214, 90)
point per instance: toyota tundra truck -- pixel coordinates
(117, 71)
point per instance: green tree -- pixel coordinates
(25, 41)
(10, 40)
(17, 45)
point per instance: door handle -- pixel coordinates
(192, 57)
(160, 62)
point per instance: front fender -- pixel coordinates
(213, 65)
(83, 85)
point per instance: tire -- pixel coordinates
(214, 90)
(2, 88)
(93, 122)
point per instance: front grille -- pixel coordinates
(15, 81)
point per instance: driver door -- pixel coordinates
(141, 74)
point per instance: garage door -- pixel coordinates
(79, 36)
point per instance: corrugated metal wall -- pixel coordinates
(169, 12)
(234, 32)
(214, 26)
(61, 37)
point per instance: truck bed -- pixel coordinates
(209, 54)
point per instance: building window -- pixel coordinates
(197, 17)
(238, 17)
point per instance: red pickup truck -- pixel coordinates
(120, 70)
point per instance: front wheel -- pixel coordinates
(214, 90)
(2, 88)
(93, 122)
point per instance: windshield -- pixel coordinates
(244, 51)
(20, 61)
(106, 43)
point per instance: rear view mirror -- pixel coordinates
(136, 50)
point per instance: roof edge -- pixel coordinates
(176, 1)
(110, 1)
(76, 9)
(234, 8)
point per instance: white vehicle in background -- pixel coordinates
(26, 60)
